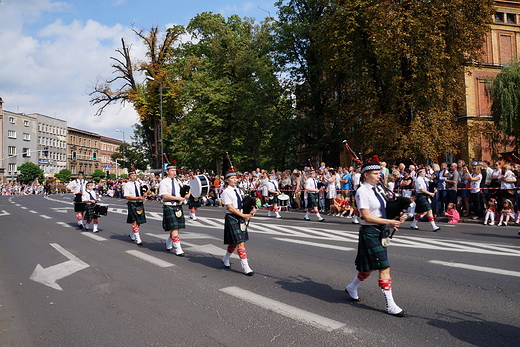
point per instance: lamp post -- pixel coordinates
(121, 131)
(149, 78)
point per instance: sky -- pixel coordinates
(52, 52)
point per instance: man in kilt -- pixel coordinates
(90, 197)
(77, 187)
(135, 198)
(422, 201)
(372, 255)
(235, 226)
(311, 188)
(173, 216)
(273, 192)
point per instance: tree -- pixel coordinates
(64, 175)
(385, 73)
(144, 97)
(98, 175)
(30, 172)
(130, 156)
(504, 92)
(231, 96)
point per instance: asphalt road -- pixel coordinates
(62, 286)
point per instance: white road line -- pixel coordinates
(292, 312)
(477, 268)
(154, 215)
(315, 244)
(46, 217)
(93, 236)
(4, 213)
(63, 224)
(33, 211)
(23, 208)
(149, 258)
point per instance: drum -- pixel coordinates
(283, 200)
(77, 197)
(199, 186)
(101, 209)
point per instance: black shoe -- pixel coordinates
(399, 314)
(307, 219)
(180, 255)
(226, 266)
(321, 220)
(249, 273)
(351, 298)
(434, 230)
(415, 228)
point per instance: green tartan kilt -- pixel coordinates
(232, 232)
(89, 212)
(273, 198)
(133, 216)
(371, 255)
(194, 202)
(312, 200)
(422, 203)
(170, 221)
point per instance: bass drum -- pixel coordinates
(199, 186)
(101, 209)
(283, 199)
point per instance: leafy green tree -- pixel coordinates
(98, 175)
(504, 92)
(30, 172)
(112, 176)
(130, 156)
(231, 95)
(64, 175)
(385, 73)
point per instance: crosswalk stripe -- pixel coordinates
(149, 258)
(477, 268)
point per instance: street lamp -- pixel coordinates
(149, 78)
(121, 131)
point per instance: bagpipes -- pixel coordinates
(396, 204)
(249, 200)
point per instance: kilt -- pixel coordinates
(232, 232)
(312, 199)
(133, 216)
(79, 206)
(371, 255)
(89, 212)
(194, 202)
(170, 221)
(273, 198)
(422, 203)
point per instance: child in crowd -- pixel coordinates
(337, 206)
(348, 210)
(506, 213)
(322, 194)
(490, 212)
(452, 213)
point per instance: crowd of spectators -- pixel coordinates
(468, 190)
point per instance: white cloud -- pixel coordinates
(50, 72)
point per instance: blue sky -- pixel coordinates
(51, 52)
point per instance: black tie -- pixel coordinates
(91, 197)
(136, 190)
(383, 209)
(173, 188)
(239, 200)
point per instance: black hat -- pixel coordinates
(230, 173)
(171, 166)
(81, 173)
(370, 166)
(132, 171)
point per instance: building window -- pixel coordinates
(11, 134)
(11, 150)
(26, 152)
(11, 120)
(499, 17)
(511, 18)
(12, 168)
(26, 123)
(27, 137)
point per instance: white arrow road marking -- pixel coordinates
(292, 312)
(50, 275)
(4, 213)
(477, 268)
